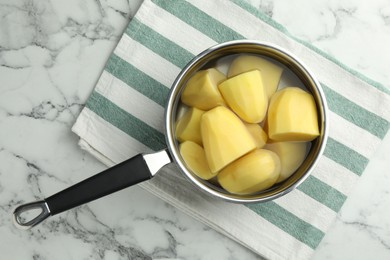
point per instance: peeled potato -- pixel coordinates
(195, 159)
(225, 137)
(246, 96)
(258, 134)
(202, 91)
(188, 126)
(253, 172)
(292, 116)
(291, 155)
(271, 72)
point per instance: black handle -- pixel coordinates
(137, 169)
(123, 175)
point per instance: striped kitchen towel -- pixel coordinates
(125, 115)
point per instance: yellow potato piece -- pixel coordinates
(291, 155)
(258, 134)
(252, 173)
(246, 96)
(202, 91)
(225, 137)
(188, 126)
(292, 116)
(195, 159)
(271, 72)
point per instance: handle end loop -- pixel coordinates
(21, 223)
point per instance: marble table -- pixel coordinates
(51, 54)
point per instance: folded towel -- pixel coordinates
(125, 115)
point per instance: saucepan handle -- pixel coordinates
(140, 168)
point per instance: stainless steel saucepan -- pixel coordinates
(142, 167)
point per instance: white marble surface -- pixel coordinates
(51, 54)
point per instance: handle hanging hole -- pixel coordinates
(28, 215)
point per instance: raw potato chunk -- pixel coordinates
(291, 155)
(258, 134)
(253, 172)
(271, 72)
(292, 116)
(188, 126)
(225, 137)
(246, 96)
(202, 91)
(195, 158)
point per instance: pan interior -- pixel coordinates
(297, 74)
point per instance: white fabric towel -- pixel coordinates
(125, 116)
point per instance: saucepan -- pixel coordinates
(143, 167)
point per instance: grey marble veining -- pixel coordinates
(51, 54)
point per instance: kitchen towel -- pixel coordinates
(125, 115)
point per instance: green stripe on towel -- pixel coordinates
(345, 156)
(126, 122)
(316, 189)
(158, 43)
(355, 114)
(199, 20)
(288, 222)
(136, 79)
